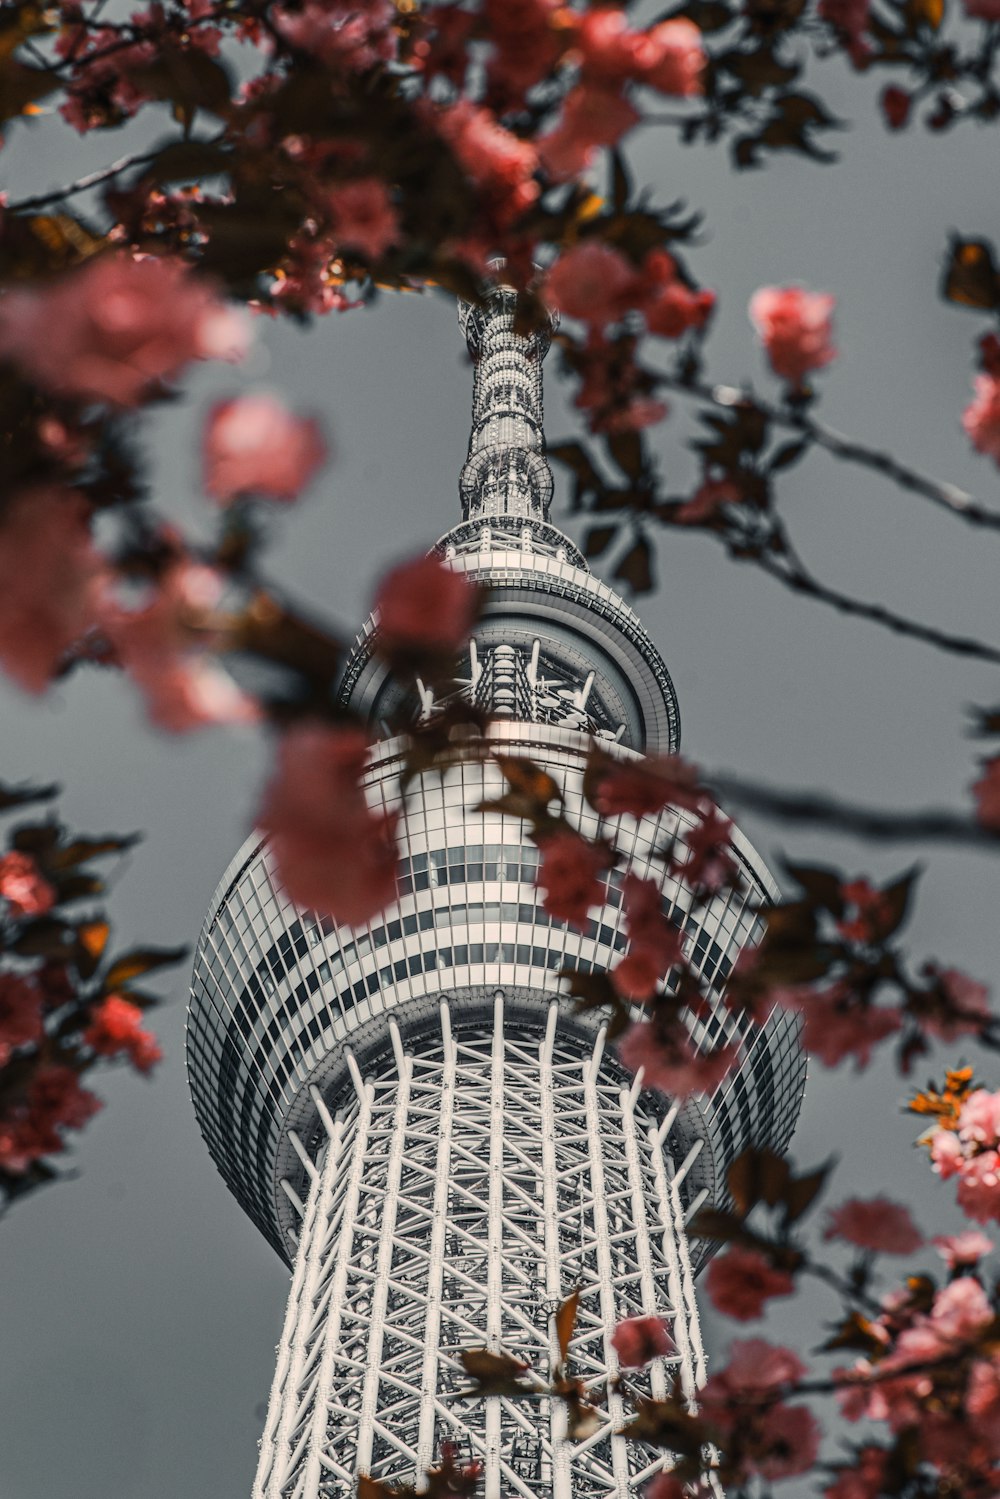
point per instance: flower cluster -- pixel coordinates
(967, 1147)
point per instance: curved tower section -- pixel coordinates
(408, 1110)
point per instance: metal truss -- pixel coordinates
(480, 1175)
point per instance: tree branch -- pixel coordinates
(796, 576)
(947, 496)
(83, 184)
(818, 810)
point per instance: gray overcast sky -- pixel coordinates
(138, 1309)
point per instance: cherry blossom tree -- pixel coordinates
(319, 154)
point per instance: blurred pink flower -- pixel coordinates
(654, 941)
(163, 646)
(960, 1251)
(332, 852)
(742, 1280)
(987, 794)
(675, 58)
(23, 886)
(979, 1119)
(49, 580)
(255, 445)
(500, 164)
(875, 1224)
(638, 1340)
(978, 1190)
(20, 1013)
(795, 327)
(569, 874)
(646, 785)
(425, 607)
(671, 1063)
(981, 418)
(592, 116)
(115, 328)
(960, 1311)
(116, 1026)
(864, 1480)
(591, 282)
(835, 1025)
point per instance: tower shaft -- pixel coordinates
(506, 472)
(486, 1170)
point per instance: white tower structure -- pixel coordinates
(409, 1112)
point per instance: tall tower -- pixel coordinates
(439, 1148)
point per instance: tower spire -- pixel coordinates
(506, 472)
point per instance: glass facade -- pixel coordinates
(278, 993)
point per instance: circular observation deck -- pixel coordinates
(280, 997)
(540, 590)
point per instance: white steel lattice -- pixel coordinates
(480, 1174)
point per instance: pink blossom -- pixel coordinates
(895, 104)
(654, 942)
(498, 163)
(757, 1367)
(675, 310)
(946, 1153)
(638, 1340)
(20, 1014)
(978, 1190)
(982, 1402)
(987, 791)
(591, 282)
(425, 607)
(966, 1007)
(23, 886)
(671, 1063)
(592, 116)
(982, 10)
(163, 644)
(709, 864)
(255, 445)
(981, 418)
(666, 1486)
(332, 852)
(788, 1443)
(49, 580)
(863, 1481)
(645, 786)
(347, 35)
(795, 327)
(675, 59)
(114, 329)
(979, 1119)
(836, 1025)
(742, 1280)
(116, 1026)
(33, 1128)
(364, 217)
(608, 46)
(959, 1251)
(874, 1224)
(960, 1310)
(569, 874)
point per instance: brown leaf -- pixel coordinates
(802, 1191)
(970, 276)
(20, 796)
(566, 1322)
(141, 960)
(636, 567)
(527, 778)
(757, 1176)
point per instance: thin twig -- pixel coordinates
(813, 807)
(789, 569)
(948, 496)
(84, 184)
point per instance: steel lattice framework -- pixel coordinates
(408, 1111)
(468, 1187)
